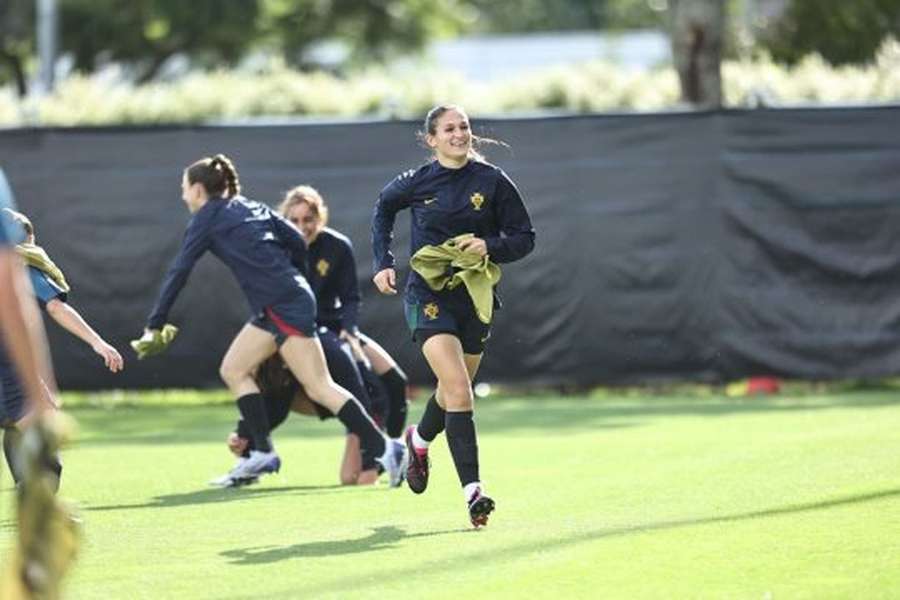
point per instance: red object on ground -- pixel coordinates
(763, 385)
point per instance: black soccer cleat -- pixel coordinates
(480, 506)
(417, 470)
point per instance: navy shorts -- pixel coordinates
(289, 318)
(12, 398)
(430, 313)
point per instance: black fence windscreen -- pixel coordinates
(701, 246)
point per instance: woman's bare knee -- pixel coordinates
(456, 394)
(233, 374)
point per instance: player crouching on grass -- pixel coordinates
(283, 394)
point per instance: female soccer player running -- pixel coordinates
(455, 194)
(266, 254)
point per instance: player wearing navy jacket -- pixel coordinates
(333, 278)
(456, 193)
(266, 254)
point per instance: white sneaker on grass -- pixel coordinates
(248, 469)
(395, 461)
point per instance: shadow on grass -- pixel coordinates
(217, 495)
(460, 560)
(381, 538)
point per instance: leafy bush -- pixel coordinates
(592, 87)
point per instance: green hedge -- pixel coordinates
(592, 87)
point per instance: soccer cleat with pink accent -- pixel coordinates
(417, 471)
(480, 506)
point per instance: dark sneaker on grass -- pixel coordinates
(480, 506)
(417, 471)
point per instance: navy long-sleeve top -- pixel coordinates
(265, 253)
(478, 198)
(332, 277)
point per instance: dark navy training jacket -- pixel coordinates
(478, 198)
(332, 277)
(265, 252)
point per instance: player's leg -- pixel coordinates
(394, 381)
(305, 358)
(247, 352)
(447, 360)
(351, 463)
(346, 374)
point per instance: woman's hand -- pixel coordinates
(386, 281)
(474, 245)
(111, 357)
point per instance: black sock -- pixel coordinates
(277, 410)
(253, 412)
(369, 390)
(395, 383)
(433, 420)
(11, 440)
(354, 418)
(368, 461)
(463, 445)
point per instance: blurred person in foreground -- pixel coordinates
(467, 215)
(51, 289)
(47, 534)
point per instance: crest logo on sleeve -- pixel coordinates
(322, 267)
(431, 311)
(477, 200)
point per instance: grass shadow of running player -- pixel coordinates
(216, 495)
(381, 538)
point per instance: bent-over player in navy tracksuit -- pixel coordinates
(456, 193)
(333, 277)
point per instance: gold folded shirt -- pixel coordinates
(477, 273)
(35, 256)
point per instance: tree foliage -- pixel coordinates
(146, 33)
(841, 31)
(510, 16)
(372, 29)
(16, 41)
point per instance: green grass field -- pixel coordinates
(669, 496)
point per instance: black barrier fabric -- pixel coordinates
(701, 246)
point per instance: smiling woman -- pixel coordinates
(468, 211)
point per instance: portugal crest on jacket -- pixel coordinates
(477, 200)
(431, 311)
(322, 267)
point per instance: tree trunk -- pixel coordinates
(15, 65)
(697, 36)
